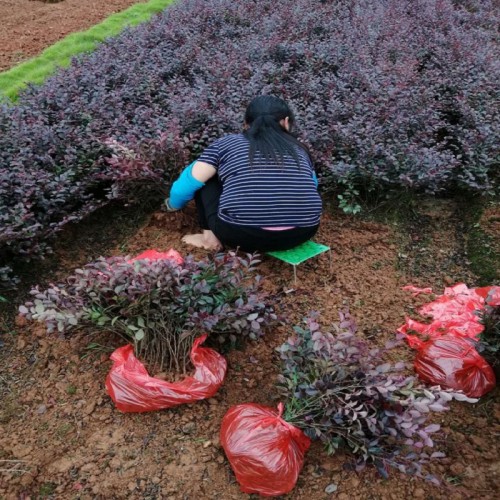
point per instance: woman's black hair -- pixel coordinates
(266, 135)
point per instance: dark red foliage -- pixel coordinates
(387, 92)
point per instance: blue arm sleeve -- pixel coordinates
(183, 188)
(315, 178)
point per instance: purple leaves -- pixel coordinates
(387, 93)
(489, 340)
(148, 299)
(432, 428)
(341, 392)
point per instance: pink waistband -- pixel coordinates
(281, 228)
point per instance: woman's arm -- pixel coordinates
(192, 178)
(203, 171)
(315, 178)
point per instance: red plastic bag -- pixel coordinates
(155, 255)
(456, 313)
(493, 296)
(133, 390)
(448, 307)
(265, 452)
(416, 291)
(462, 326)
(454, 363)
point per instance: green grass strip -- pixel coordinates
(38, 69)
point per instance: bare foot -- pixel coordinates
(211, 241)
(206, 240)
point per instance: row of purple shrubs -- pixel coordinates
(388, 93)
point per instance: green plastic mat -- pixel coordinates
(301, 253)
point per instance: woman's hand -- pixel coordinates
(168, 207)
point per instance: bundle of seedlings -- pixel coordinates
(340, 391)
(159, 305)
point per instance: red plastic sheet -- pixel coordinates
(493, 296)
(133, 390)
(265, 452)
(454, 362)
(456, 313)
(416, 291)
(155, 255)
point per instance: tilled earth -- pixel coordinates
(62, 437)
(27, 27)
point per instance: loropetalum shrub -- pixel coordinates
(7, 279)
(399, 93)
(159, 305)
(489, 340)
(339, 390)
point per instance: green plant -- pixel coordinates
(349, 199)
(95, 348)
(454, 480)
(489, 339)
(339, 390)
(347, 202)
(63, 430)
(47, 489)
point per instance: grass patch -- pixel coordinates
(37, 70)
(63, 430)
(71, 390)
(10, 409)
(47, 489)
(471, 254)
(94, 348)
(482, 252)
(454, 480)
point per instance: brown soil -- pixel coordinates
(62, 437)
(28, 27)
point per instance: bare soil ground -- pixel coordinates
(27, 27)
(62, 437)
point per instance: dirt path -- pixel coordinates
(66, 440)
(27, 27)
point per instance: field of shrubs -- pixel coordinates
(387, 94)
(395, 99)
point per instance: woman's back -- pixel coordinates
(256, 191)
(266, 193)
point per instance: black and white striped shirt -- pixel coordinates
(266, 194)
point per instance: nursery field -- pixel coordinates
(28, 27)
(63, 438)
(397, 103)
